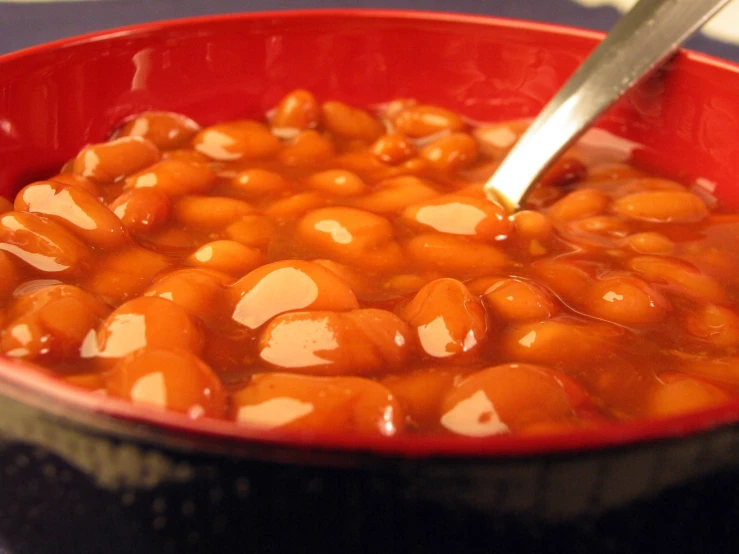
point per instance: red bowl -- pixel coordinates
(56, 98)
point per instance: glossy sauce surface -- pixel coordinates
(338, 268)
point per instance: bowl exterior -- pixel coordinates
(65, 486)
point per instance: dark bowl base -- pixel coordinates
(63, 486)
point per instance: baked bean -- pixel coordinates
(536, 249)
(308, 148)
(450, 152)
(166, 130)
(505, 399)
(228, 256)
(678, 277)
(90, 381)
(255, 231)
(414, 167)
(356, 280)
(479, 285)
(447, 320)
(678, 394)
(565, 277)
(24, 299)
(403, 284)
(393, 149)
(475, 190)
(460, 215)
(297, 110)
(613, 381)
(69, 313)
(5, 205)
(366, 165)
(256, 182)
(391, 196)
(605, 172)
(201, 292)
(77, 181)
(557, 342)
(633, 186)
(304, 403)
(716, 263)
(337, 182)
(9, 276)
(51, 323)
(170, 380)
(602, 225)
(662, 206)
(109, 162)
(68, 167)
(650, 243)
(626, 301)
(519, 300)
(424, 120)
(497, 139)
(142, 210)
(238, 140)
(144, 322)
(421, 392)
(287, 286)
(454, 255)
(566, 170)
(125, 273)
(352, 236)
(348, 122)
(391, 110)
(541, 197)
(174, 239)
(228, 349)
(186, 155)
(23, 338)
(75, 209)
(43, 244)
(722, 370)
(175, 177)
(331, 343)
(295, 205)
(715, 324)
(209, 212)
(550, 428)
(578, 204)
(532, 225)
(478, 174)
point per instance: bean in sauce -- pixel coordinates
(337, 268)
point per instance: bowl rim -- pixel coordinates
(358, 13)
(36, 387)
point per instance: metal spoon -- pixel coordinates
(639, 42)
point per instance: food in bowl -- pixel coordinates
(341, 268)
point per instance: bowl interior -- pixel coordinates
(56, 98)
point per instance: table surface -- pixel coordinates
(25, 23)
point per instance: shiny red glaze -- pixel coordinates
(56, 98)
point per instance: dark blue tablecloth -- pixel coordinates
(24, 24)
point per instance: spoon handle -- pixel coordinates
(642, 39)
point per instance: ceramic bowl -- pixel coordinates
(80, 472)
